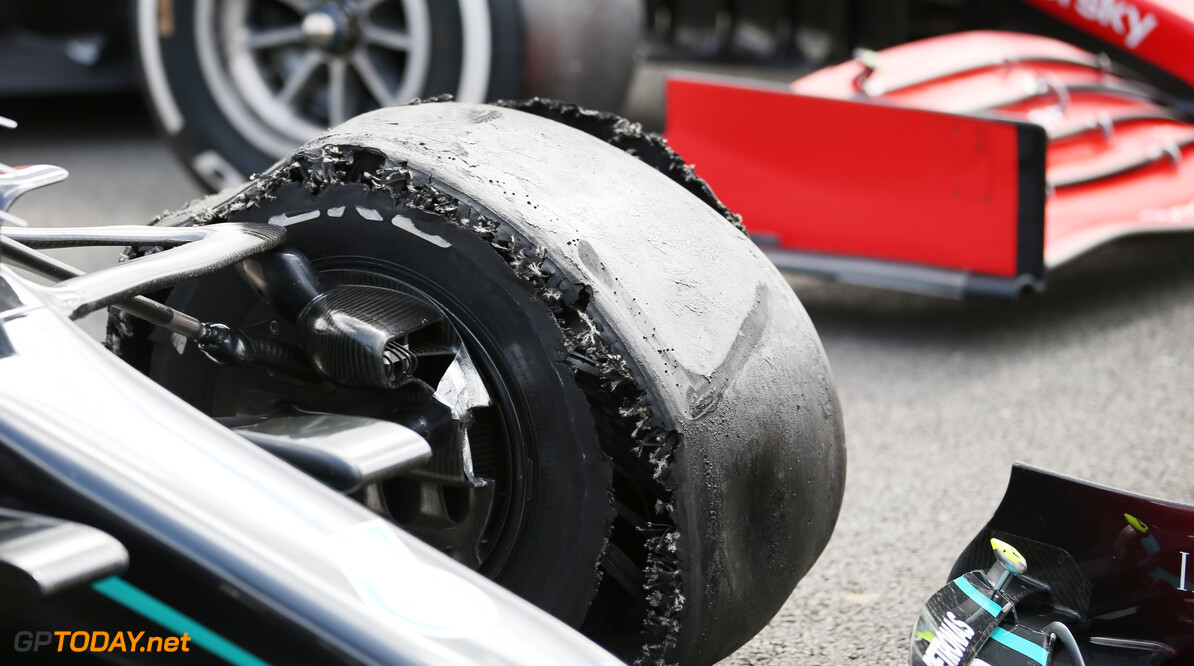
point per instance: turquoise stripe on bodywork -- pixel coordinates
(138, 601)
(977, 597)
(1020, 644)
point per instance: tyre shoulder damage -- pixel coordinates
(727, 411)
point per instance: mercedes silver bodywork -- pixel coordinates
(312, 556)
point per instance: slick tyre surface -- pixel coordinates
(672, 363)
(237, 84)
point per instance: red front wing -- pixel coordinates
(964, 164)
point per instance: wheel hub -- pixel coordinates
(465, 500)
(284, 70)
(330, 28)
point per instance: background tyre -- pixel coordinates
(671, 399)
(238, 84)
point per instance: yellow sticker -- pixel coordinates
(1136, 523)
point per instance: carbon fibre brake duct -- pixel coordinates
(353, 334)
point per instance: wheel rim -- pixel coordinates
(284, 70)
(474, 515)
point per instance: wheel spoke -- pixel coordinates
(372, 78)
(298, 81)
(273, 38)
(337, 92)
(431, 520)
(395, 40)
(368, 5)
(412, 84)
(470, 532)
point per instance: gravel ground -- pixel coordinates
(1092, 379)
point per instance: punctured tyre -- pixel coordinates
(704, 378)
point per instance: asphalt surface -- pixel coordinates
(1092, 379)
